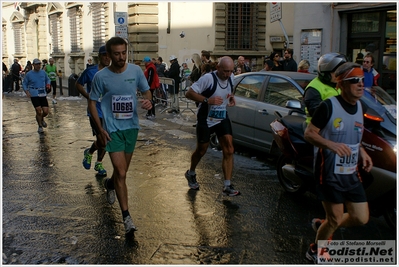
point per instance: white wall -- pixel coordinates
(196, 19)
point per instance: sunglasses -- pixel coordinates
(366, 62)
(276, 56)
(354, 80)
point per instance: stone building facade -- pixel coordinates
(71, 32)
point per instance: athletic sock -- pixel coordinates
(227, 183)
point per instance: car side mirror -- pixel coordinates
(293, 104)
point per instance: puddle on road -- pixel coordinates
(180, 134)
(186, 254)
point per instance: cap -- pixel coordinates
(147, 59)
(36, 61)
(102, 50)
(172, 57)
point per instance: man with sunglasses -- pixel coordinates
(370, 74)
(336, 131)
(36, 85)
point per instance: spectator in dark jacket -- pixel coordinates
(277, 66)
(15, 70)
(174, 73)
(289, 63)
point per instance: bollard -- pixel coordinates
(60, 81)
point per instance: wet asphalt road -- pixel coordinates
(55, 211)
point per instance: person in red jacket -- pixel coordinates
(153, 81)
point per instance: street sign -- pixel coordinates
(120, 18)
(121, 31)
(275, 11)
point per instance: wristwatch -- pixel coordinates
(205, 100)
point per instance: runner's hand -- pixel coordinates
(146, 104)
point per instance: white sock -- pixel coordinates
(227, 183)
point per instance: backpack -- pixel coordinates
(208, 93)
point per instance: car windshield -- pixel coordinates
(377, 94)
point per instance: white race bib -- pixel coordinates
(217, 113)
(345, 164)
(41, 92)
(122, 106)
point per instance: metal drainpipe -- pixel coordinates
(332, 26)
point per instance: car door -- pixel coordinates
(242, 115)
(278, 91)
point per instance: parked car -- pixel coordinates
(258, 95)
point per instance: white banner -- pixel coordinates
(356, 252)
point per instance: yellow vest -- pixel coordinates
(325, 91)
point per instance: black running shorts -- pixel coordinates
(204, 132)
(330, 194)
(39, 101)
(94, 127)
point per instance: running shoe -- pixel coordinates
(111, 195)
(54, 101)
(44, 124)
(150, 117)
(40, 130)
(130, 228)
(311, 254)
(230, 191)
(192, 181)
(87, 159)
(100, 169)
(316, 222)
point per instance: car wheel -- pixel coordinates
(287, 184)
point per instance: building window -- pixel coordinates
(365, 22)
(241, 27)
(18, 38)
(4, 43)
(55, 31)
(98, 12)
(74, 24)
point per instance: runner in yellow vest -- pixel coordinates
(51, 71)
(324, 85)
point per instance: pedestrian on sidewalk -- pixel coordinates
(36, 85)
(87, 78)
(214, 93)
(174, 73)
(151, 75)
(117, 86)
(51, 71)
(15, 71)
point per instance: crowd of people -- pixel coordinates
(116, 89)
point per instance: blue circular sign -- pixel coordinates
(121, 20)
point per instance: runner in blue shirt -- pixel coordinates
(36, 86)
(87, 78)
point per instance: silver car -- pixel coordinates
(258, 95)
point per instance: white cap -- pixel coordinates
(172, 57)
